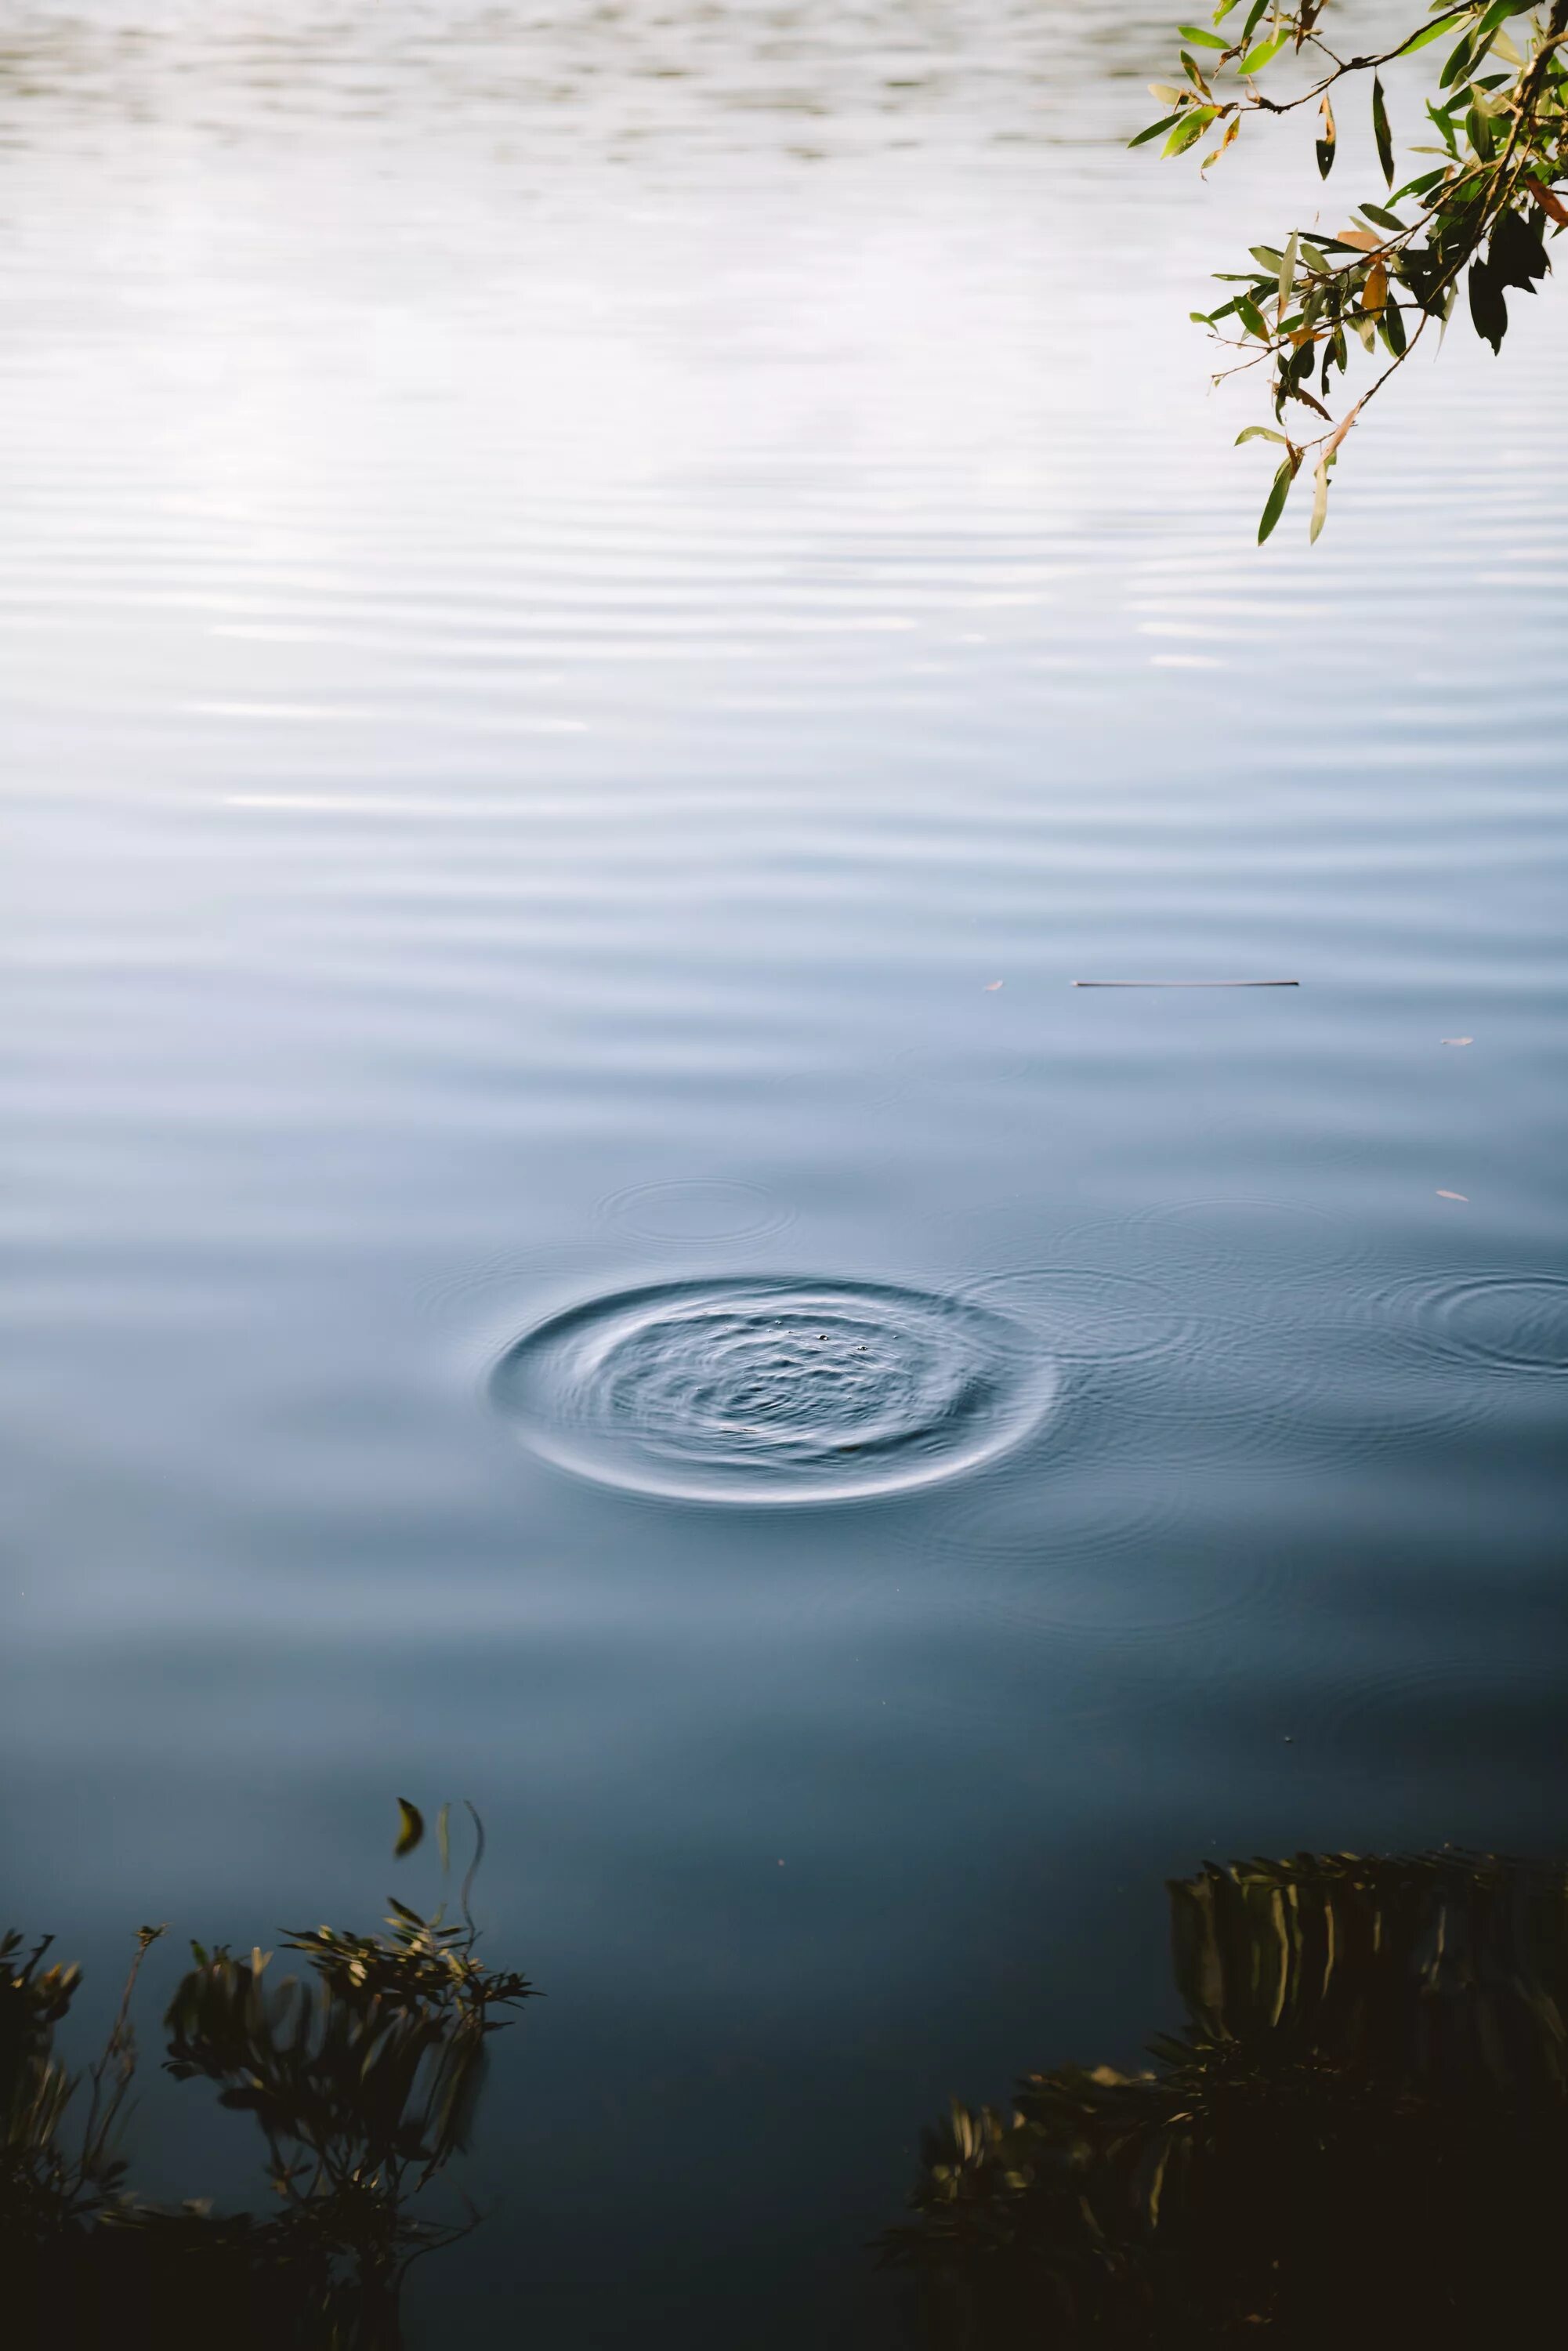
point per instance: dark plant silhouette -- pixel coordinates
(1361, 2136)
(364, 2079)
(50, 2174)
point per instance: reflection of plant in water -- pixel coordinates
(1363, 2128)
(43, 2180)
(363, 2079)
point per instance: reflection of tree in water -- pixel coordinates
(363, 2078)
(1362, 2134)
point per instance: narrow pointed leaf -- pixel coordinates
(1264, 54)
(1275, 506)
(1319, 501)
(1433, 33)
(1381, 131)
(1327, 140)
(1190, 128)
(1154, 130)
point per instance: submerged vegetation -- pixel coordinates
(1479, 217)
(1360, 2136)
(363, 2077)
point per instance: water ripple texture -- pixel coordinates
(773, 1390)
(1484, 1321)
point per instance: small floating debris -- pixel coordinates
(992, 986)
(1186, 982)
(1458, 1040)
(1455, 1196)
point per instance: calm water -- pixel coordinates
(600, 612)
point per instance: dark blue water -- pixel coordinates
(599, 616)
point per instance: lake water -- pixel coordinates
(600, 610)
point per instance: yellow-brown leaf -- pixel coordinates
(1548, 202)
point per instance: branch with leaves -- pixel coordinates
(1480, 215)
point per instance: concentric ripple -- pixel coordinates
(773, 1390)
(1499, 1321)
(700, 1209)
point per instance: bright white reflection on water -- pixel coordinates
(579, 587)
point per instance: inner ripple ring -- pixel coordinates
(760, 1390)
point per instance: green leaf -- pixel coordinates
(409, 1828)
(1260, 433)
(1381, 131)
(1458, 63)
(1264, 54)
(1252, 318)
(1190, 129)
(1319, 501)
(1482, 135)
(1275, 506)
(1384, 217)
(1154, 130)
(1203, 40)
(1288, 268)
(1267, 257)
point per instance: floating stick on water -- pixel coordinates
(1186, 982)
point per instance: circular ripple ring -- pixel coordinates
(767, 1391)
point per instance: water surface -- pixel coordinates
(600, 612)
